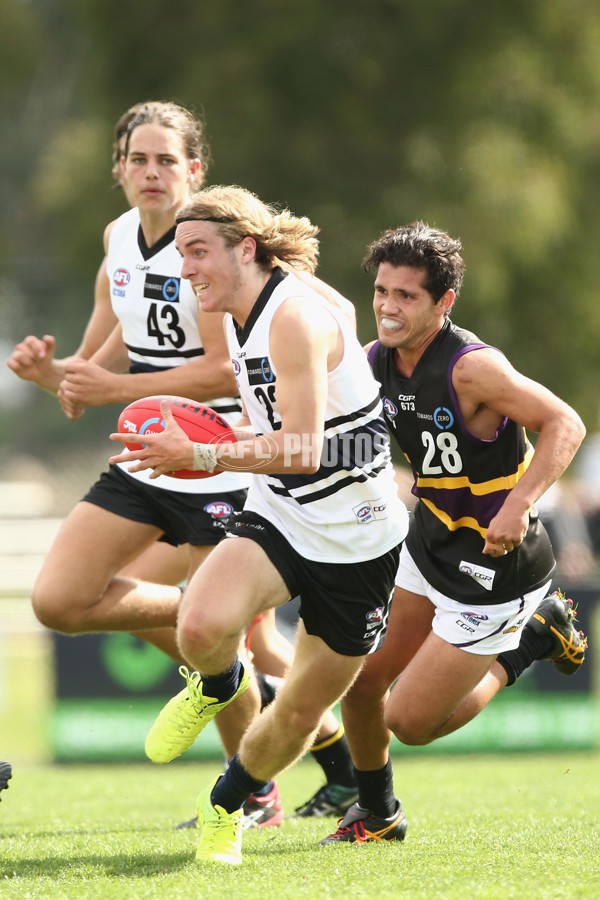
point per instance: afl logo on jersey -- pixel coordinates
(390, 409)
(364, 514)
(236, 367)
(121, 279)
(443, 418)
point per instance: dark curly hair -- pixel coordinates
(421, 247)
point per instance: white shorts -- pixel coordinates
(483, 630)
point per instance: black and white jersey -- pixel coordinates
(349, 509)
(157, 309)
(461, 480)
(158, 312)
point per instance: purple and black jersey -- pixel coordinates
(460, 480)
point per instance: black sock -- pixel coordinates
(333, 756)
(222, 687)
(532, 646)
(268, 686)
(234, 787)
(263, 791)
(376, 791)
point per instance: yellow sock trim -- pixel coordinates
(327, 742)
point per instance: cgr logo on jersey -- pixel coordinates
(390, 409)
(443, 418)
(259, 371)
(162, 287)
(483, 576)
(121, 279)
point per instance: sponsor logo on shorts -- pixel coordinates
(484, 577)
(512, 628)
(475, 618)
(241, 525)
(370, 512)
(220, 509)
(464, 626)
(376, 615)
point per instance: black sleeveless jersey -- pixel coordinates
(460, 480)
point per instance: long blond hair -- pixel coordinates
(239, 213)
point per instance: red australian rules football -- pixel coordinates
(201, 424)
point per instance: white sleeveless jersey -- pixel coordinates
(349, 510)
(158, 312)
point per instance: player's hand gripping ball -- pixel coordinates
(201, 424)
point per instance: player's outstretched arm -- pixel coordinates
(33, 360)
(89, 382)
(489, 390)
(203, 379)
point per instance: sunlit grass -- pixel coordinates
(481, 826)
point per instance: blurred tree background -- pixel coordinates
(481, 118)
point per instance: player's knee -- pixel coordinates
(301, 719)
(50, 609)
(368, 690)
(304, 722)
(198, 636)
(409, 730)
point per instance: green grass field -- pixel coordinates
(524, 826)
(480, 826)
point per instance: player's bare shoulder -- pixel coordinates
(479, 366)
(315, 329)
(336, 301)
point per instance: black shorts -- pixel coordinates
(345, 604)
(197, 519)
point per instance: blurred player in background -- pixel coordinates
(155, 532)
(33, 359)
(5, 775)
(471, 608)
